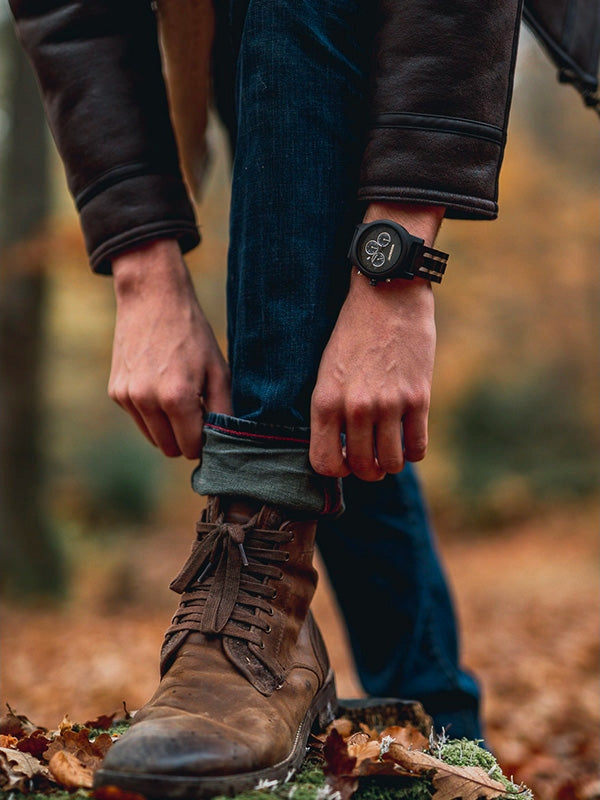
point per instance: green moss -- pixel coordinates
(118, 728)
(399, 789)
(467, 753)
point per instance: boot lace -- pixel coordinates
(224, 582)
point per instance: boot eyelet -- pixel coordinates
(268, 629)
(270, 612)
(279, 577)
(274, 595)
(292, 537)
(262, 645)
(287, 556)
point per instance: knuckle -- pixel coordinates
(171, 402)
(324, 466)
(324, 404)
(141, 398)
(419, 398)
(392, 465)
(417, 450)
(359, 409)
(363, 468)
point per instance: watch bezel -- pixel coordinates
(401, 268)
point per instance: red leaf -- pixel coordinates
(35, 744)
(102, 723)
(337, 760)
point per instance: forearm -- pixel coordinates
(374, 379)
(99, 70)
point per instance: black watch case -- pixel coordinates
(384, 249)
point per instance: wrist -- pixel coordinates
(419, 220)
(153, 266)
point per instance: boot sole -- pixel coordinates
(174, 787)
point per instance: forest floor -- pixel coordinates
(527, 597)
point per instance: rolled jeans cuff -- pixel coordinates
(267, 463)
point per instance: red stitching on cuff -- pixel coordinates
(255, 435)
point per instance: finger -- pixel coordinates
(414, 426)
(130, 409)
(160, 430)
(360, 450)
(187, 429)
(216, 392)
(325, 452)
(388, 442)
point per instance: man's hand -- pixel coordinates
(374, 379)
(166, 366)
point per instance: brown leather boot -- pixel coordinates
(245, 673)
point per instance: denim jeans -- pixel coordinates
(292, 82)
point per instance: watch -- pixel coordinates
(383, 250)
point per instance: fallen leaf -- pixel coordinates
(12, 724)
(406, 735)
(91, 754)
(21, 772)
(7, 741)
(342, 725)
(371, 732)
(358, 738)
(36, 744)
(468, 783)
(362, 751)
(65, 723)
(337, 760)
(339, 766)
(372, 768)
(102, 722)
(114, 793)
(68, 770)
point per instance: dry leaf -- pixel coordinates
(358, 738)
(102, 722)
(65, 724)
(7, 741)
(468, 783)
(21, 771)
(70, 772)
(407, 736)
(36, 744)
(91, 754)
(372, 768)
(338, 762)
(18, 725)
(364, 750)
(371, 732)
(342, 725)
(339, 766)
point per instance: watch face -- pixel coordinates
(379, 249)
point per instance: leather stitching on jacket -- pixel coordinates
(116, 175)
(430, 122)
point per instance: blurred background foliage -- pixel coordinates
(514, 424)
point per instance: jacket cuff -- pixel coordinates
(133, 211)
(408, 145)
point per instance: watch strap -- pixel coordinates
(431, 264)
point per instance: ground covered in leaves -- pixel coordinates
(527, 596)
(359, 755)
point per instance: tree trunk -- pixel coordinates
(30, 559)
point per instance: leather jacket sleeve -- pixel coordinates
(442, 84)
(442, 81)
(99, 70)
